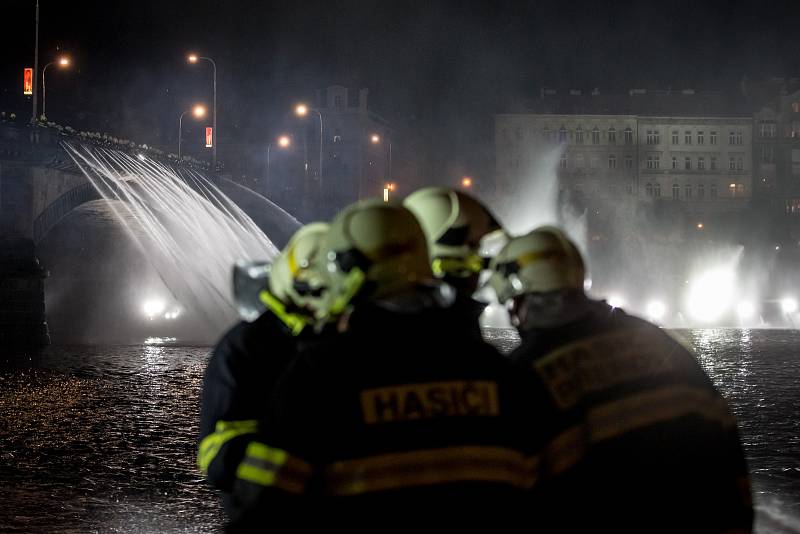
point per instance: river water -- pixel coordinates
(101, 439)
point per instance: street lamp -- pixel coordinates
(302, 110)
(199, 111)
(376, 139)
(62, 62)
(194, 58)
(284, 141)
(466, 182)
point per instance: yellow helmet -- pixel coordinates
(540, 261)
(374, 249)
(456, 225)
(298, 279)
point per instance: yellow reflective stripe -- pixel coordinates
(615, 418)
(530, 257)
(270, 466)
(352, 285)
(471, 263)
(293, 321)
(434, 466)
(292, 261)
(223, 432)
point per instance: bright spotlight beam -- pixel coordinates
(616, 301)
(656, 310)
(788, 305)
(710, 294)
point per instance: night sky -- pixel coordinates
(436, 69)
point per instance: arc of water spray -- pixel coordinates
(198, 233)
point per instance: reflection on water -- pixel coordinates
(102, 438)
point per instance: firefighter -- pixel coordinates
(248, 360)
(401, 411)
(645, 442)
(458, 228)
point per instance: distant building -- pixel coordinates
(691, 149)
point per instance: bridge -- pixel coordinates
(39, 186)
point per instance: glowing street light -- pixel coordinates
(466, 182)
(700, 226)
(62, 62)
(284, 141)
(193, 59)
(302, 110)
(198, 111)
(375, 139)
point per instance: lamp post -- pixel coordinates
(301, 110)
(376, 140)
(62, 62)
(283, 142)
(199, 112)
(36, 67)
(193, 58)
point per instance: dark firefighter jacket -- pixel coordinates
(238, 383)
(645, 443)
(403, 413)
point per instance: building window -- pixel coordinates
(337, 136)
(796, 107)
(767, 154)
(676, 191)
(337, 101)
(687, 191)
(612, 161)
(657, 190)
(687, 164)
(732, 164)
(593, 163)
(595, 136)
(649, 189)
(736, 190)
(628, 136)
(612, 136)
(732, 138)
(736, 137)
(674, 162)
(675, 134)
(712, 138)
(793, 206)
(687, 137)
(563, 161)
(562, 135)
(701, 191)
(767, 129)
(701, 164)
(628, 162)
(579, 161)
(740, 164)
(579, 136)
(712, 191)
(629, 189)
(701, 139)
(653, 137)
(653, 162)
(713, 163)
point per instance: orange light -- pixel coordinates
(27, 82)
(192, 58)
(699, 226)
(301, 110)
(284, 141)
(375, 138)
(390, 186)
(64, 61)
(466, 181)
(732, 186)
(199, 111)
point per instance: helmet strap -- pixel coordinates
(295, 322)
